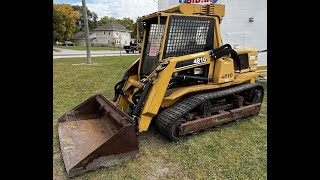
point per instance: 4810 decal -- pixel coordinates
(200, 60)
(227, 75)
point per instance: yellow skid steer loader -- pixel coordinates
(186, 80)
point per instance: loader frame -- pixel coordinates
(158, 96)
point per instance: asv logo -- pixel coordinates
(200, 60)
(198, 1)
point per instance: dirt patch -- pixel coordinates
(165, 170)
(157, 172)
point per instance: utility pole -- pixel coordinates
(137, 32)
(86, 30)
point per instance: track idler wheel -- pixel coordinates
(257, 95)
(171, 128)
(174, 129)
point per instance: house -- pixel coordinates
(80, 39)
(112, 32)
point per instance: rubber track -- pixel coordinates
(168, 116)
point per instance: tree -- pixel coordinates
(58, 29)
(93, 23)
(134, 32)
(113, 43)
(105, 19)
(64, 21)
(127, 23)
(92, 18)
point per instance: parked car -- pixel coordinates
(68, 43)
(132, 48)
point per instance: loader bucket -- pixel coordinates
(96, 134)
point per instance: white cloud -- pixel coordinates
(122, 8)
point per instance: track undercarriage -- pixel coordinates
(210, 109)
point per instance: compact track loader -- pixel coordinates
(186, 80)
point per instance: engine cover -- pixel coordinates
(223, 70)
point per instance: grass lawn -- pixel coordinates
(234, 151)
(93, 48)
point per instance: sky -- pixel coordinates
(117, 8)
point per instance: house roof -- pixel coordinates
(112, 26)
(81, 35)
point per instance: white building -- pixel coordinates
(80, 39)
(112, 32)
(244, 23)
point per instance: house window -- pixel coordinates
(125, 42)
(109, 32)
(104, 32)
(108, 41)
(117, 33)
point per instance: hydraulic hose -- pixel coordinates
(233, 53)
(261, 51)
(137, 108)
(221, 47)
(118, 89)
(135, 97)
(186, 77)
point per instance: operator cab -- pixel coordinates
(183, 35)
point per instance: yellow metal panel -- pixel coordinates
(211, 68)
(191, 57)
(217, 9)
(164, 39)
(253, 60)
(155, 96)
(180, 92)
(193, 15)
(122, 103)
(224, 70)
(189, 9)
(262, 67)
(144, 123)
(169, 102)
(217, 36)
(172, 9)
(133, 81)
(244, 50)
(244, 71)
(144, 18)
